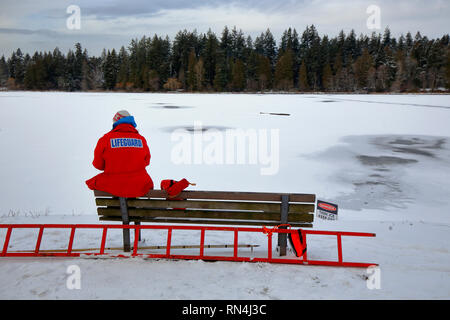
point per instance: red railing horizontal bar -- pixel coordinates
(70, 253)
(196, 257)
(143, 227)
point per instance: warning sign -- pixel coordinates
(326, 210)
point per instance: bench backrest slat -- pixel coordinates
(225, 195)
(195, 204)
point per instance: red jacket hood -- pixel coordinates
(125, 127)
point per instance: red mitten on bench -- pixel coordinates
(174, 188)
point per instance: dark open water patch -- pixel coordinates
(275, 113)
(436, 144)
(169, 106)
(383, 160)
(411, 145)
(193, 129)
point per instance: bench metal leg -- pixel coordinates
(138, 223)
(282, 237)
(125, 221)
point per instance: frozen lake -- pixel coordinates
(384, 159)
(341, 147)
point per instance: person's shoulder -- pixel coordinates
(140, 136)
(138, 133)
(106, 136)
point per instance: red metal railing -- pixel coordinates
(69, 252)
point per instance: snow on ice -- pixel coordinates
(384, 159)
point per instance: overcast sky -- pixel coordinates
(41, 25)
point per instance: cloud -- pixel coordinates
(49, 33)
(114, 9)
(255, 16)
(106, 22)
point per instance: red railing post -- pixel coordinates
(5, 245)
(72, 235)
(38, 242)
(102, 246)
(269, 245)
(235, 243)
(339, 244)
(136, 239)
(169, 240)
(305, 255)
(202, 242)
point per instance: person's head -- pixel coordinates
(123, 116)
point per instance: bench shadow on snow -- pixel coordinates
(380, 169)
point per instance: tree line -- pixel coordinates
(234, 62)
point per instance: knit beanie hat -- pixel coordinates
(121, 114)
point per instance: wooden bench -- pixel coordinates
(210, 207)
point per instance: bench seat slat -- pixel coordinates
(203, 221)
(205, 214)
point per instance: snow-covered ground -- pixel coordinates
(384, 159)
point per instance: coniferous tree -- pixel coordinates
(16, 66)
(284, 72)
(265, 45)
(110, 70)
(199, 74)
(252, 70)
(224, 58)
(361, 69)
(221, 75)
(202, 62)
(58, 62)
(303, 78)
(86, 81)
(238, 76)
(409, 42)
(153, 80)
(133, 60)
(69, 80)
(123, 74)
(290, 41)
(209, 57)
(264, 73)
(4, 73)
(327, 78)
(387, 41)
(77, 68)
(34, 73)
(158, 59)
(447, 69)
(270, 49)
(237, 44)
(191, 79)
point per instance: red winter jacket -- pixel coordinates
(122, 154)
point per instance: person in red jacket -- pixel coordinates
(122, 154)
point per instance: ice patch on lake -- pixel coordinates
(383, 170)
